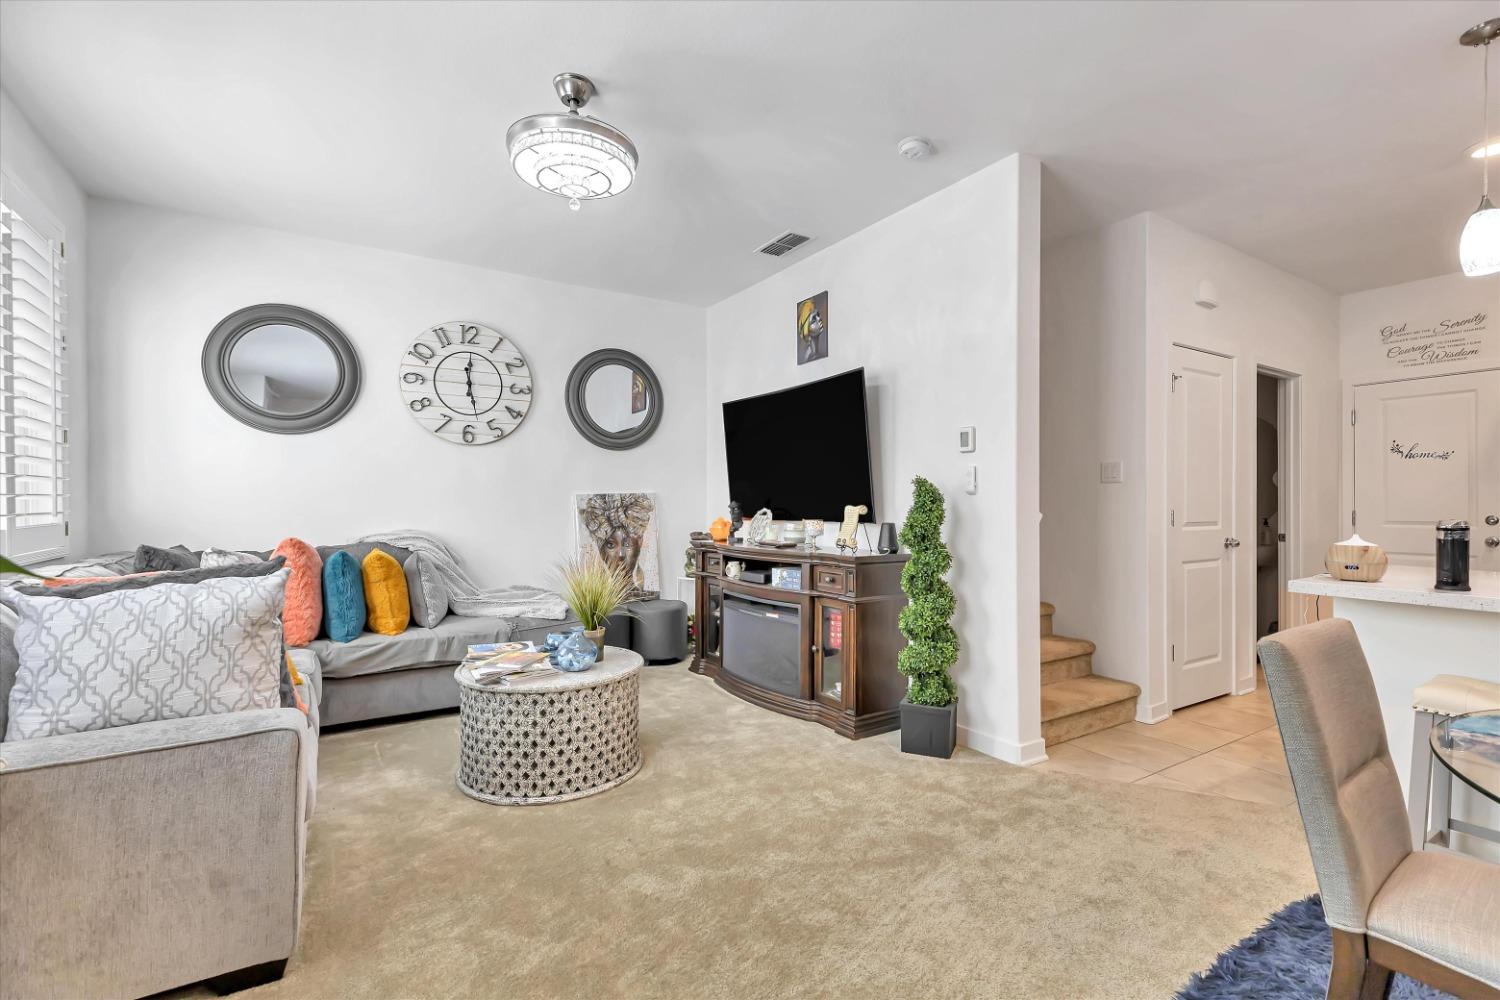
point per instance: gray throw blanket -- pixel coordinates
(465, 597)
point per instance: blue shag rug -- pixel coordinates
(1288, 958)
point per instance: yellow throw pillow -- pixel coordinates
(386, 599)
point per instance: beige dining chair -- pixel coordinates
(1430, 915)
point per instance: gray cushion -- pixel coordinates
(426, 590)
(371, 653)
(139, 655)
(361, 549)
(150, 557)
(447, 642)
(77, 590)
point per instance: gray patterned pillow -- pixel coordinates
(165, 652)
(426, 590)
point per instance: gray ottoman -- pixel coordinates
(658, 630)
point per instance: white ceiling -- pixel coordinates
(1325, 138)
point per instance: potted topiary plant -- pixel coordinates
(929, 712)
(593, 590)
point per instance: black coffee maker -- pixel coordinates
(1452, 555)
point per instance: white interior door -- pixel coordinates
(1425, 450)
(1201, 545)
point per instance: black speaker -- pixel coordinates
(888, 543)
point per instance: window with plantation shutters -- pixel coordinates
(33, 382)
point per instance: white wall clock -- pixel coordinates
(466, 383)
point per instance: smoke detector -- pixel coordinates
(914, 147)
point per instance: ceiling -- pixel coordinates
(1326, 138)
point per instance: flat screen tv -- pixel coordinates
(802, 452)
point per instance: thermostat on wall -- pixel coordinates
(966, 439)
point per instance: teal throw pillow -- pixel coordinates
(343, 598)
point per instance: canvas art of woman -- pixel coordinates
(621, 529)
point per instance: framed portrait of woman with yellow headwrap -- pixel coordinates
(812, 328)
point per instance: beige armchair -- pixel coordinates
(1433, 916)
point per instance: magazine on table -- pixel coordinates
(497, 662)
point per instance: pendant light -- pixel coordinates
(1479, 246)
(572, 155)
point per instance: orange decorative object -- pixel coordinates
(720, 530)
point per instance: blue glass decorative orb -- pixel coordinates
(576, 652)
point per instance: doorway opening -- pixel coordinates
(1275, 499)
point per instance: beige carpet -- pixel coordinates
(758, 856)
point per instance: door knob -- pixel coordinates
(1231, 543)
(1491, 519)
(1492, 541)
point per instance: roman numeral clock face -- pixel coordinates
(466, 383)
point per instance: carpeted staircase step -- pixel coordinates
(1047, 612)
(1064, 658)
(1062, 647)
(1083, 705)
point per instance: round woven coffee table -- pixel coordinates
(553, 737)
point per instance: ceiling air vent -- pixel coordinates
(783, 244)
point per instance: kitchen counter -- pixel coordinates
(1410, 633)
(1408, 585)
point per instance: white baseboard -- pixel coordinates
(1025, 754)
(1152, 713)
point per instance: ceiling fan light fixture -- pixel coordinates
(570, 154)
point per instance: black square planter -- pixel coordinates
(929, 731)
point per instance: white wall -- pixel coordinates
(1093, 540)
(171, 466)
(938, 303)
(25, 159)
(1268, 318)
(1437, 326)
(1114, 303)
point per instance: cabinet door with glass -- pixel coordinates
(833, 673)
(711, 629)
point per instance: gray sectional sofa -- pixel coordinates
(147, 857)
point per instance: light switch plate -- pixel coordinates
(966, 439)
(971, 479)
(1111, 472)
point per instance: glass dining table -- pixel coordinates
(1469, 746)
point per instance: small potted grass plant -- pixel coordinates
(594, 590)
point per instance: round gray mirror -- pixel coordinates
(281, 368)
(614, 399)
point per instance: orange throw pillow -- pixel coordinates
(386, 599)
(302, 615)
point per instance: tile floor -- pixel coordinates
(1229, 747)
